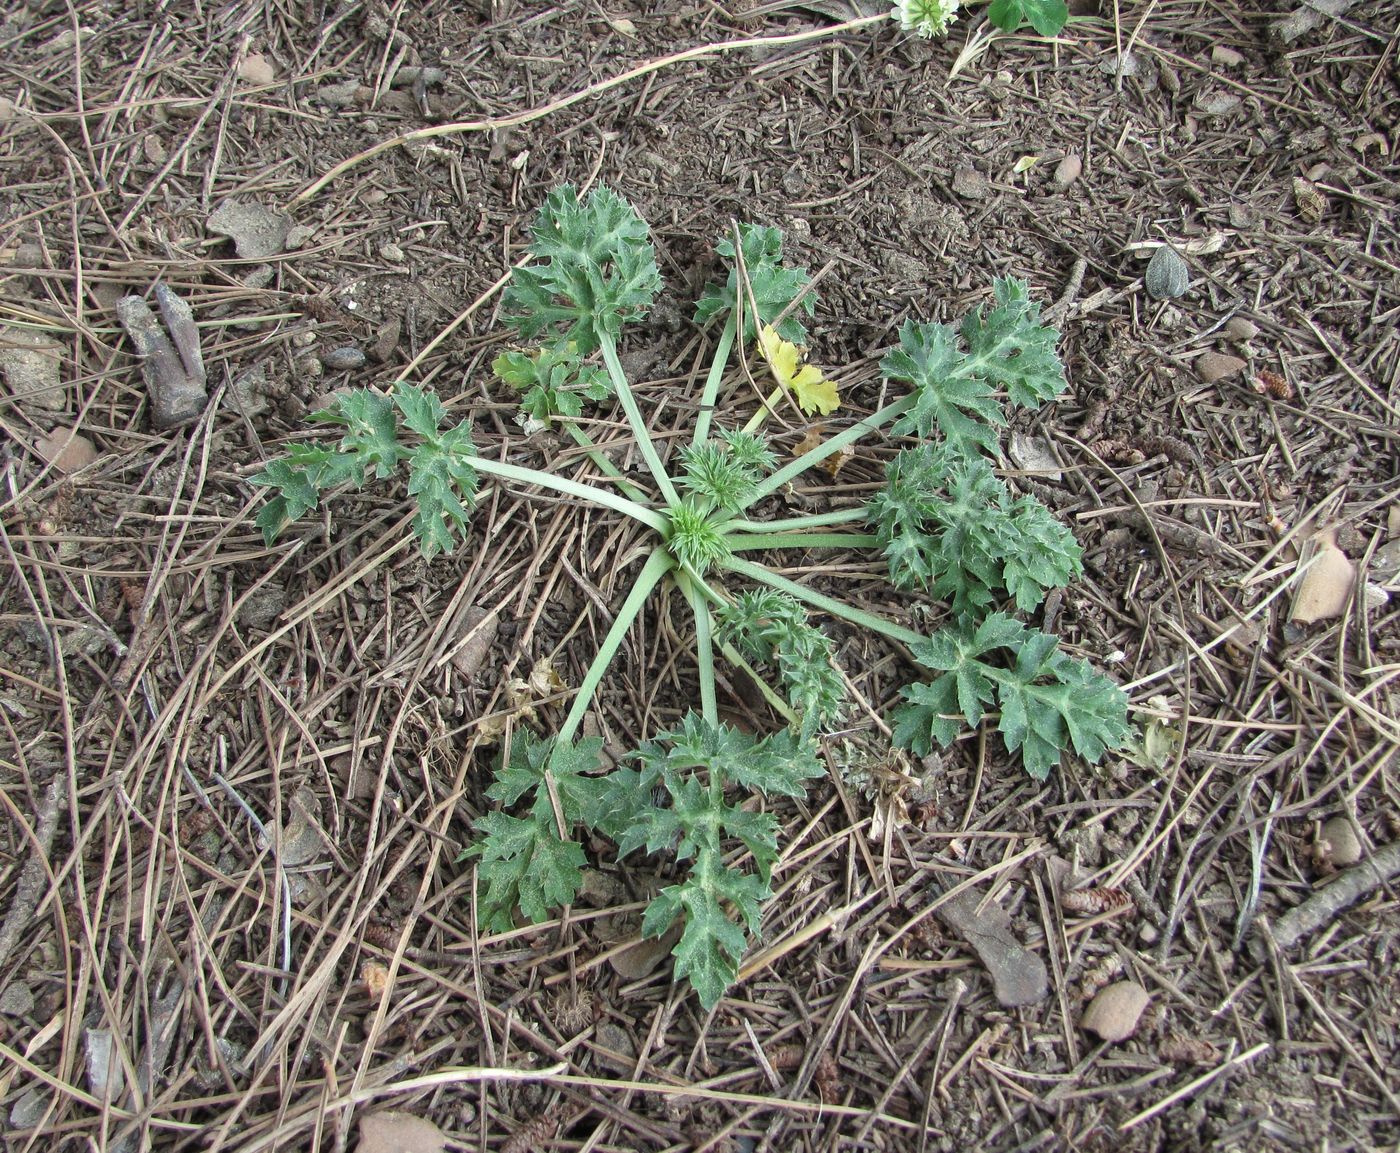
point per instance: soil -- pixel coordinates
(238, 779)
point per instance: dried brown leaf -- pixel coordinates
(1327, 581)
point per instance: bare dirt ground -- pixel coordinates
(236, 780)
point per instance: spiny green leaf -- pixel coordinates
(1039, 553)
(949, 399)
(766, 625)
(713, 474)
(1045, 697)
(1010, 349)
(299, 478)
(524, 862)
(597, 271)
(372, 430)
(774, 286)
(750, 450)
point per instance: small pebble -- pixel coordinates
(343, 359)
(392, 253)
(1067, 171)
(1213, 366)
(308, 368)
(1343, 845)
(1241, 329)
(1114, 1012)
(66, 450)
(298, 236)
(257, 70)
(1223, 57)
(971, 184)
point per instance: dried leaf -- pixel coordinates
(811, 439)
(303, 839)
(642, 958)
(1327, 581)
(394, 1132)
(544, 680)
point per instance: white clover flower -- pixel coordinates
(926, 18)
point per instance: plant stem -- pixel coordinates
(764, 410)
(657, 566)
(704, 648)
(835, 444)
(750, 541)
(799, 523)
(600, 496)
(819, 600)
(586, 442)
(709, 395)
(634, 418)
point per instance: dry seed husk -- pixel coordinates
(1167, 276)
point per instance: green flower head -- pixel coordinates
(926, 18)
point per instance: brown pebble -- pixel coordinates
(1213, 366)
(1114, 1012)
(1241, 328)
(66, 450)
(1343, 845)
(1068, 171)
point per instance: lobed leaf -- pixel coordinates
(1047, 17)
(554, 380)
(774, 287)
(524, 863)
(597, 272)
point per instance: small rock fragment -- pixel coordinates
(1218, 103)
(1223, 57)
(392, 253)
(1241, 329)
(66, 450)
(1167, 276)
(1126, 65)
(298, 236)
(411, 74)
(1033, 454)
(1114, 1012)
(257, 70)
(1338, 845)
(1243, 216)
(30, 362)
(17, 999)
(1067, 171)
(340, 95)
(1213, 366)
(971, 184)
(343, 359)
(171, 361)
(257, 232)
(1327, 582)
(386, 341)
(393, 1131)
(260, 276)
(33, 1104)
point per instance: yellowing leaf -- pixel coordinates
(805, 382)
(1025, 164)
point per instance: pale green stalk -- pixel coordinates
(799, 523)
(600, 496)
(704, 648)
(752, 541)
(709, 395)
(657, 566)
(586, 442)
(835, 444)
(634, 418)
(819, 600)
(775, 702)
